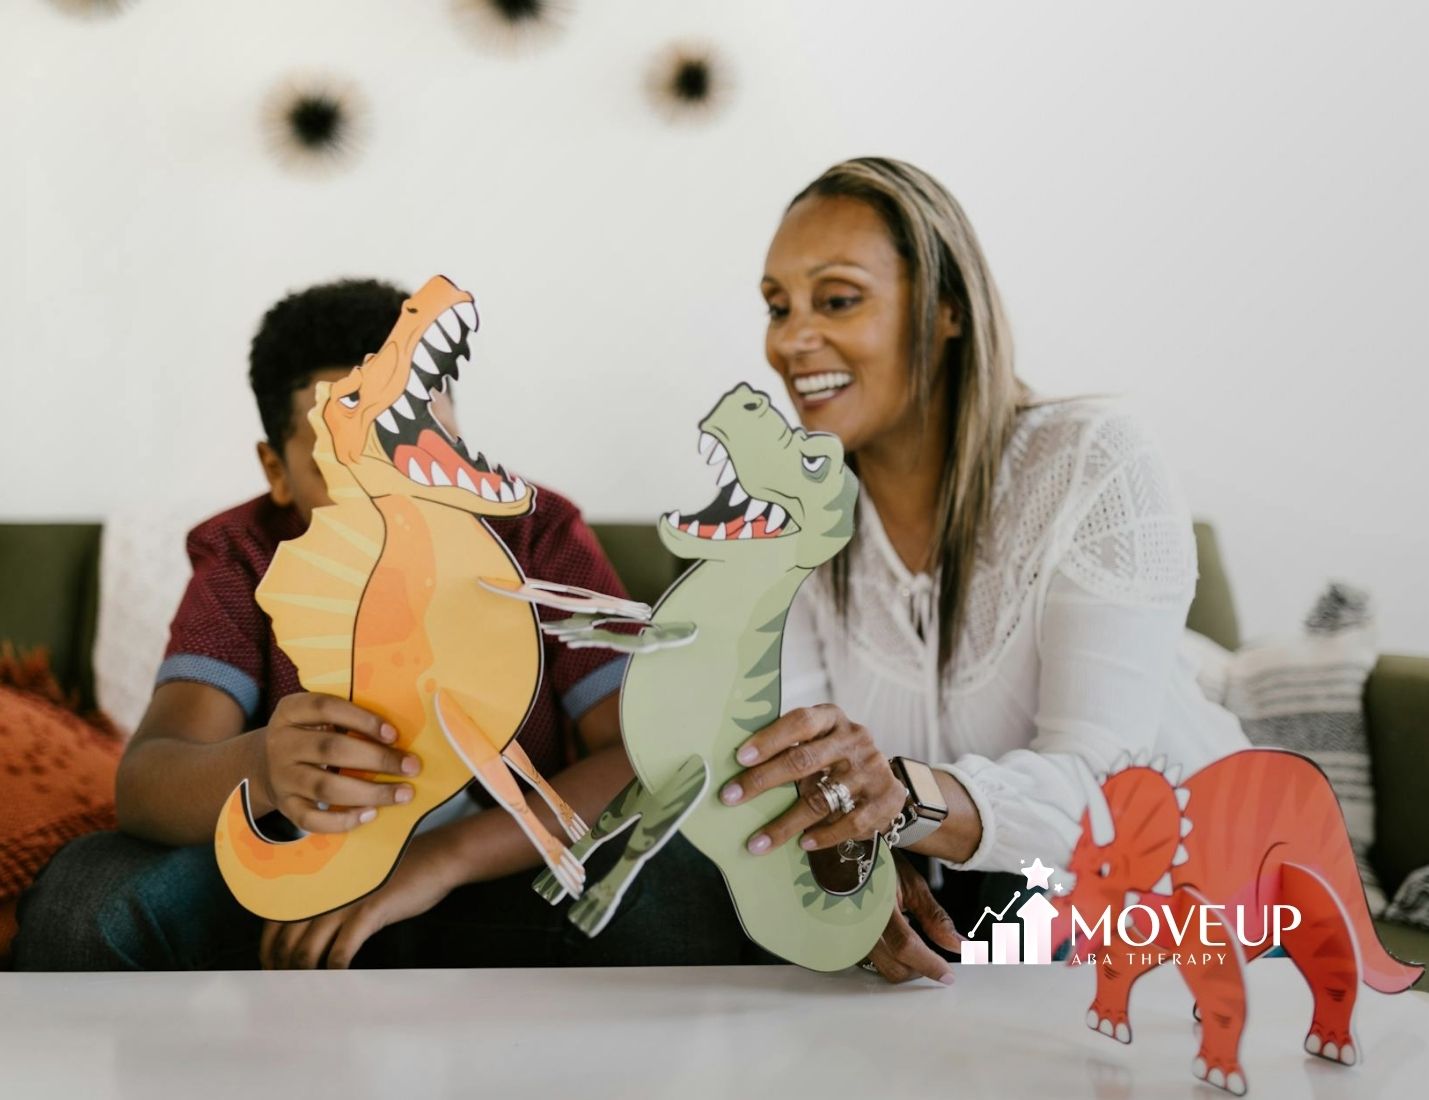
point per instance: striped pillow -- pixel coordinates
(1307, 694)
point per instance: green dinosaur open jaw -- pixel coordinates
(733, 514)
(415, 440)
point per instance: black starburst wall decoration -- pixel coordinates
(688, 82)
(316, 124)
(512, 26)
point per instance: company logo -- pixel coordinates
(1161, 929)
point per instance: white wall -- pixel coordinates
(1217, 208)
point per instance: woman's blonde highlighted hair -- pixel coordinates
(945, 264)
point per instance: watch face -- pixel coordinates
(923, 786)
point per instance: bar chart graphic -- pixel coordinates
(1028, 939)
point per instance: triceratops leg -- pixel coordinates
(661, 812)
(521, 764)
(1117, 972)
(1322, 946)
(621, 814)
(1219, 989)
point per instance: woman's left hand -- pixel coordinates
(800, 747)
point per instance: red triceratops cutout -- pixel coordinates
(1248, 854)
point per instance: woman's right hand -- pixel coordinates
(900, 954)
(310, 736)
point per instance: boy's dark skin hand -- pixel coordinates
(190, 751)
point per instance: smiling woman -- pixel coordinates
(1009, 611)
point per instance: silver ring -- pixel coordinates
(845, 798)
(831, 794)
(867, 964)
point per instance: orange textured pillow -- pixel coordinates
(56, 783)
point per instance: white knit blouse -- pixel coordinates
(1070, 645)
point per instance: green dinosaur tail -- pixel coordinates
(785, 911)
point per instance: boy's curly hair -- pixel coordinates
(329, 325)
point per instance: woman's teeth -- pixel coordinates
(818, 386)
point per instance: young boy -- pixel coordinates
(228, 705)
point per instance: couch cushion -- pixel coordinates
(643, 564)
(56, 783)
(1397, 706)
(49, 596)
(1212, 612)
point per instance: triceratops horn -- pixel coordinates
(1098, 812)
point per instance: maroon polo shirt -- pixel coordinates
(221, 637)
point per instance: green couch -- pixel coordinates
(49, 596)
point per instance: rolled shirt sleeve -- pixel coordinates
(219, 634)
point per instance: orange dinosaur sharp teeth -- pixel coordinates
(437, 338)
(440, 476)
(450, 325)
(414, 471)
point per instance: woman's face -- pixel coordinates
(837, 292)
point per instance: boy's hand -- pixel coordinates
(428, 873)
(308, 737)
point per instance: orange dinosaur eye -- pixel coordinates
(349, 400)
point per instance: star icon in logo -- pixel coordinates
(1037, 874)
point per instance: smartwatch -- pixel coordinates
(926, 807)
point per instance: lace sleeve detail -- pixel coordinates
(1133, 540)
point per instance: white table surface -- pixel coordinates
(1002, 1032)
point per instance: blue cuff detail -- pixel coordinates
(594, 686)
(214, 673)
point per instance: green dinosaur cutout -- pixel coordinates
(785, 506)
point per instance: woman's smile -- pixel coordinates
(814, 391)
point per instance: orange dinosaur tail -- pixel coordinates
(254, 866)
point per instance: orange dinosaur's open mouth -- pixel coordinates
(416, 442)
(434, 461)
(733, 514)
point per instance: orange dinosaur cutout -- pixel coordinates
(378, 602)
(1197, 870)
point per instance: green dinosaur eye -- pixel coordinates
(816, 464)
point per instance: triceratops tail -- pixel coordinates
(1382, 971)
(1325, 849)
(280, 880)
(1337, 884)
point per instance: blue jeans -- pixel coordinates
(112, 902)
